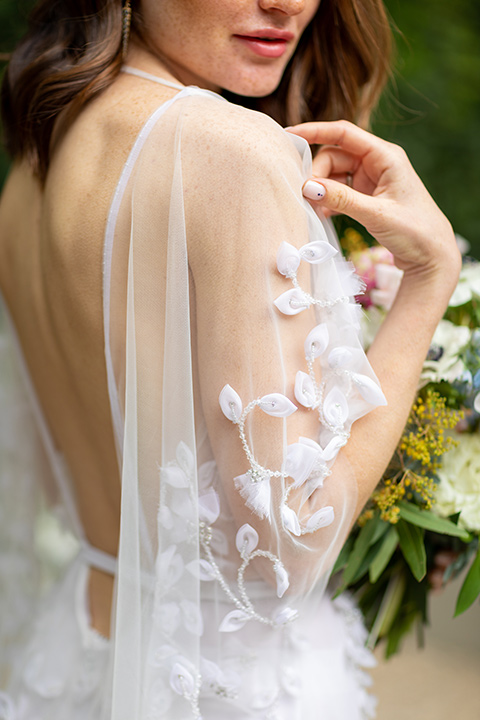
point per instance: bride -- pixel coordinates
(180, 328)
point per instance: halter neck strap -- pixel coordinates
(148, 76)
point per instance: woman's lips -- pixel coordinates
(264, 46)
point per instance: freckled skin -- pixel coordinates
(195, 40)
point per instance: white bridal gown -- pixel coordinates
(235, 373)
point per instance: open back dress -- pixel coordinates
(235, 372)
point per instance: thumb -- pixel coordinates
(339, 198)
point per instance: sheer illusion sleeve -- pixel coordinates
(242, 375)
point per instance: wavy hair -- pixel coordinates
(73, 51)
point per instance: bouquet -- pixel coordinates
(427, 504)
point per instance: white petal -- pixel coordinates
(290, 520)
(174, 476)
(235, 620)
(340, 356)
(283, 582)
(335, 407)
(201, 569)
(317, 252)
(300, 461)
(316, 342)
(277, 405)
(285, 615)
(369, 389)
(304, 389)
(311, 443)
(208, 507)
(230, 403)
(192, 617)
(288, 259)
(322, 518)
(476, 403)
(181, 680)
(292, 302)
(257, 495)
(246, 539)
(333, 447)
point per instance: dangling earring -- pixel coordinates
(127, 21)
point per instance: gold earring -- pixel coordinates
(126, 25)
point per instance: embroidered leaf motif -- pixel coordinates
(322, 518)
(283, 582)
(285, 615)
(304, 389)
(317, 252)
(230, 403)
(246, 539)
(340, 356)
(192, 617)
(234, 621)
(316, 342)
(290, 520)
(277, 405)
(300, 461)
(288, 259)
(174, 476)
(292, 302)
(201, 569)
(333, 447)
(170, 566)
(185, 458)
(182, 680)
(165, 517)
(257, 495)
(368, 389)
(335, 407)
(208, 507)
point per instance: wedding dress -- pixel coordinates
(225, 298)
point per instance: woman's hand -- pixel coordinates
(386, 196)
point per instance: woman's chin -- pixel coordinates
(254, 89)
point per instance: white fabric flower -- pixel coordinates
(459, 486)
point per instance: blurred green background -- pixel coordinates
(432, 108)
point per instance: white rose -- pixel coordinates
(459, 482)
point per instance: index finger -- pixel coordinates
(341, 133)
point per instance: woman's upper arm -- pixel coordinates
(277, 405)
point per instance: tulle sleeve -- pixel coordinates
(242, 375)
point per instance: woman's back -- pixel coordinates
(51, 263)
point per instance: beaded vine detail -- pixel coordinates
(306, 462)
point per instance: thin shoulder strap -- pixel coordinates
(148, 76)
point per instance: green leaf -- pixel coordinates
(470, 588)
(389, 607)
(344, 554)
(360, 549)
(413, 548)
(381, 528)
(383, 556)
(399, 629)
(428, 520)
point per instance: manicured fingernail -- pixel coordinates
(314, 190)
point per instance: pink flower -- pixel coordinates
(375, 266)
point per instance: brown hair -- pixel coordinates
(72, 51)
